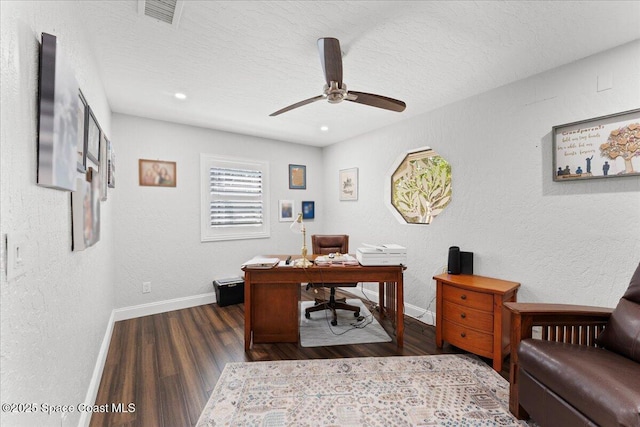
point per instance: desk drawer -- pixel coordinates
(467, 298)
(468, 317)
(468, 339)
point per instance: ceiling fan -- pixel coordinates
(335, 90)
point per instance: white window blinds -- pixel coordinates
(234, 198)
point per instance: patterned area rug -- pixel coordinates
(318, 332)
(443, 390)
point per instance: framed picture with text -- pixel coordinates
(603, 147)
(349, 184)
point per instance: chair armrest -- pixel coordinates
(575, 324)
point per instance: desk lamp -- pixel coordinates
(298, 227)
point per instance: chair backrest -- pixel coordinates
(323, 244)
(622, 333)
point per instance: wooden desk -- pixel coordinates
(470, 314)
(271, 297)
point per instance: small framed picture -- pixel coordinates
(157, 173)
(349, 184)
(308, 210)
(104, 165)
(111, 169)
(93, 138)
(297, 177)
(285, 210)
(82, 137)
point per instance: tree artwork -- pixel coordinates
(421, 186)
(623, 142)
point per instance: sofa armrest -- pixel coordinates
(575, 324)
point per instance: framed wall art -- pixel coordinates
(297, 177)
(285, 210)
(157, 173)
(308, 210)
(57, 118)
(82, 137)
(93, 138)
(111, 169)
(603, 147)
(349, 184)
(104, 166)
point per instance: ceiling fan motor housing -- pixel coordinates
(334, 93)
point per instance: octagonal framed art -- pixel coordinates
(418, 186)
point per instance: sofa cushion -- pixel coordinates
(600, 384)
(622, 333)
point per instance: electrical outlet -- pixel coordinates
(146, 287)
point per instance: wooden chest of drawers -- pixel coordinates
(470, 315)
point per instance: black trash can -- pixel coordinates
(229, 291)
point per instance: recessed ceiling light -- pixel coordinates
(180, 95)
(324, 128)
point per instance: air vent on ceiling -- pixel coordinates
(168, 11)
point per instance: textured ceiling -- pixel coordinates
(239, 61)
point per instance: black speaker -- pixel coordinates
(466, 262)
(454, 260)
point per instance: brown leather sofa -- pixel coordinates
(582, 366)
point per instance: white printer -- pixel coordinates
(389, 254)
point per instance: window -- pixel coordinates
(235, 199)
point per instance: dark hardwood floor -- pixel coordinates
(168, 364)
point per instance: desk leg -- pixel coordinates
(247, 311)
(381, 299)
(400, 311)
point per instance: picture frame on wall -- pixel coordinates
(93, 138)
(82, 137)
(349, 184)
(285, 210)
(57, 118)
(104, 166)
(308, 210)
(157, 173)
(297, 177)
(602, 147)
(111, 168)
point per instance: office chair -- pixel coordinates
(324, 245)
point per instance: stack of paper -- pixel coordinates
(261, 262)
(325, 260)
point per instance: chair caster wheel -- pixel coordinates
(334, 323)
(356, 314)
(307, 315)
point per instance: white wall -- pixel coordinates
(55, 317)
(157, 229)
(571, 242)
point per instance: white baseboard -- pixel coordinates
(163, 306)
(92, 392)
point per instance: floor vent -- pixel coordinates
(168, 11)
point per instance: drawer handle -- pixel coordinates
(463, 296)
(463, 335)
(463, 315)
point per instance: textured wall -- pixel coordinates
(157, 230)
(573, 242)
(53, 318)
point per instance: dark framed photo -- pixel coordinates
(93, 138)
(297, 177)
(83, 116)
(308, 210)
(157, 173)
(602, 147)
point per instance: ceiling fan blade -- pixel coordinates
(331, 58)
(377, 101)
(297, 104)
